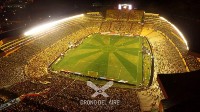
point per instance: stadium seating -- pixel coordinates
(32, 60)
(153, 21)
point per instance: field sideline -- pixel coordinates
(108, 56)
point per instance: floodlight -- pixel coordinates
(179, 32)
(45, 27)
(125, 6)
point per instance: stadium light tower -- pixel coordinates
(125, 6)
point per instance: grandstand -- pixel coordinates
(24, 66)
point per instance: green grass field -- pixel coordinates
(109, 56)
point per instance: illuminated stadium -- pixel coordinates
(52, 62)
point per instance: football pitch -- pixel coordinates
(112, 57)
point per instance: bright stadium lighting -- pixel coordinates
(130, 7)
(119, 6)
(179, 32)
(125, 6)
(45, 27)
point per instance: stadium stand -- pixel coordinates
(105, 26)
(29, 63)
(153, 21)
(42, 60)
(75, 91)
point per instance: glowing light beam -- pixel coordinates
(44, 27)
(179, 32)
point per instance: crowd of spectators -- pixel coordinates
(164, 40)
(66, 94)
(125, 15)
(12, 67)
(157, 24)
(165, 62)
(31, 63)
(121, 27)
(38, 65)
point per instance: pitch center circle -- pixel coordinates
(109, 48)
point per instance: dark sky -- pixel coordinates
(185, 14)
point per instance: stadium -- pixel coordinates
(47, 68)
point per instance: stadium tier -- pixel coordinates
(47, 67)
